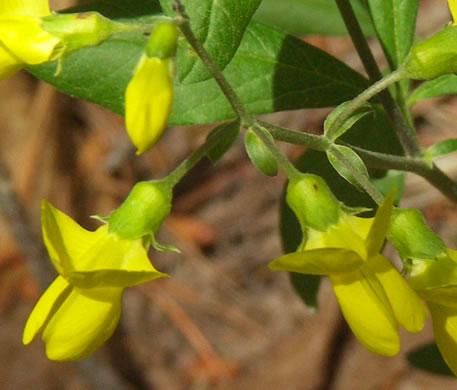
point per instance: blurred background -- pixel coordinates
(223, 321)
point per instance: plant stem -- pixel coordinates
(363, 180)
(403, 126)
(431, 173)
(312, 141)
(181, 170)
(240, 110)
(364, 97)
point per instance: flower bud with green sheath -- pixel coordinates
(149, 94)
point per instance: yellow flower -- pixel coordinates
(81, 308)
(373, 296)
(149, 94)
(436, 282)
(22, 39)
(453, 8)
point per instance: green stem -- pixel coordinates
(240, 110)
(363, 180)
(312, 141)
(181, 170)
(402, 123)
(288, 168)
(364, 97)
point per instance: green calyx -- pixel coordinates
(77, 31)
(411, 236)
(143, 212)
(162, 42)
(433, 57)
(313, 203)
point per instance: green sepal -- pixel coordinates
(433, 57)
(259, 154)
(226, 134)
(354, 210)
(322, 261)
(162, 247)
(162, 41)
(112, 278)
(411, 236)
(143, 212)
(313, 203)
(358, 114)
(342, 168)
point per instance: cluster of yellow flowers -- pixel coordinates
(81, 308)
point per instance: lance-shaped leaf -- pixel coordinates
(219, 25)
(270, 72)
(441, 149)
(395, 22)
(310, 17)
(343, 169)
(441, 86)
(358, 114)
(259, 154)
(225, 135)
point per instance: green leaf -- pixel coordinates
(320, 17)
(343, 170)
(393, 179)
(395, 23)
(270, 72)
(259, 154)
(226, 135)
(441, 149)
(219, 25)
(358, 114)
(441, 86)
(428, 358)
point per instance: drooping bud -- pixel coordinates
(313, 202)
(77, 31)
(149, 94)
(411, 236)
(433, 57)
(143, 212)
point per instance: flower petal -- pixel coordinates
(444, 320)
(25, 7)
(324, 261)
(111, 252)
(112, 278)
(148, 100)
(340, 235)
(84, 321)
(45, 307)
(453, 8)
(409, 310)
(378, 231)
(24, 37)
(366, 311)
(443, 295)
(65, 240)
(9, 64)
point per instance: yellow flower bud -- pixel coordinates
(149, 95)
